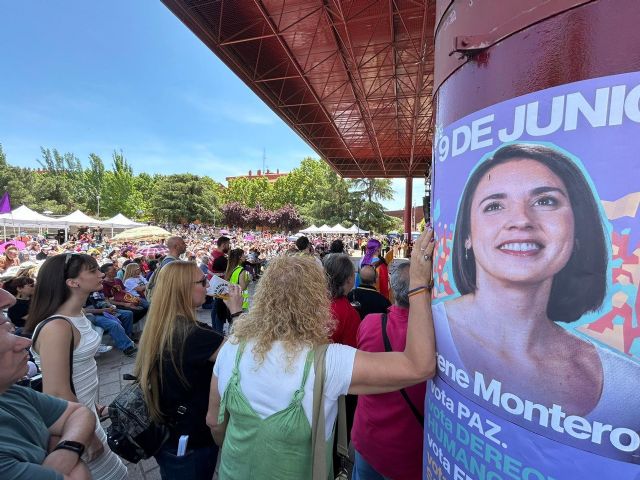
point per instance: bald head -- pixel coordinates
(368, 275)
(176, 246)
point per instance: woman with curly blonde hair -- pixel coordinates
(261, 397)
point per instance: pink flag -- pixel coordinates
(5, 203)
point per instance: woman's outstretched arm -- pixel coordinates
(389, 371)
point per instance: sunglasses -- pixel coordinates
(67, 261)
(203, 281)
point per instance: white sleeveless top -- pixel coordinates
(107, 466)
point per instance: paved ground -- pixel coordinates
(111, 366)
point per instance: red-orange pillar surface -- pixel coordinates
(408, 209)
(488, 52)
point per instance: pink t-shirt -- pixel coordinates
(385, 431)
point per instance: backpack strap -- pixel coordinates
(403, 392)
(318, 441)
(36, 334)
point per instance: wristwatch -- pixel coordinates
(70, 445)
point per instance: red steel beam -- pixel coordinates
(293, 61)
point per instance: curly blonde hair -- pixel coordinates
(291, 304)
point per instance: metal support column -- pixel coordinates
(408, 208)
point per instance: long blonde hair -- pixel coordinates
(291, 304)
(170, 319)
(128, 271)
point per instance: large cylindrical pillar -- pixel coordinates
(535, 204)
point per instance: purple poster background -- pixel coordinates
(595, 124)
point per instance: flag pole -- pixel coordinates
(5, 207)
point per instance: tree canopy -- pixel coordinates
(310, 193)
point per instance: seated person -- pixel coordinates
(116, 322)
(44, 253)
(9, 259)
(134, 283)
(41, 437)
(114, 291)
(21, 288)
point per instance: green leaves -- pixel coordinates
(310, 193)
(184, 198)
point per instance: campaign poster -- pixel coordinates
(536, 307)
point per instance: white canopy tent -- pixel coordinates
(79, 218)
(337, 229)
(340, 230)
(24, 217)
(354, 229)
(120, 221)
(311, 229)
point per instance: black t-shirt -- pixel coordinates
(371, 301)
(18, 311)
(198, 347)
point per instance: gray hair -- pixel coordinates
(400, 284)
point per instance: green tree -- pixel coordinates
(331, 202)
(120, 193)
(372, 217)
(373, 189)
(250, 192)
(94, 183)
(59, 186)
(305, 184)
(17, 181)
(369, 192)
(145, 184)
(184, 198)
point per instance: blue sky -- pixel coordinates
(89, 76)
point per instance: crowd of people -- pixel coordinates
(240, 387)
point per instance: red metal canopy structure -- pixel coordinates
(353, 78)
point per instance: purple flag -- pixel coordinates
(5, 203)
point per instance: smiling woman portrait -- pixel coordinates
(529, 251)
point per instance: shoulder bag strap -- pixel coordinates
(36, 334)
(343, 443)
(403, 392)
(318, 440)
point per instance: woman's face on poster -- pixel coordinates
(522, 223)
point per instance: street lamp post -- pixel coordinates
(98, 199)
